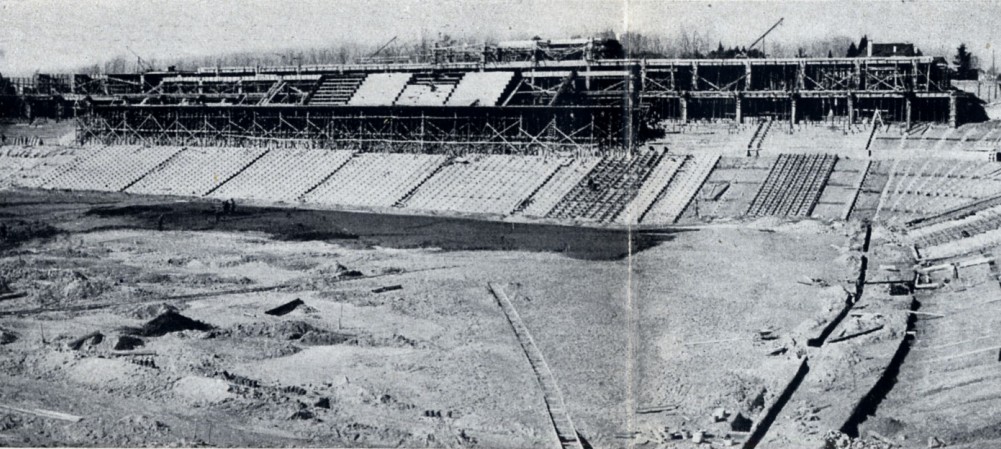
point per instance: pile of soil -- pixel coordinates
(168, 322)
(295, 330)
(286, 308)
(126, 343)
(7, 337)
(150, 311)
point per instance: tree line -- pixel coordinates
(686, 44)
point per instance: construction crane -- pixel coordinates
(142, 65)
(383, 47)
(762, 38)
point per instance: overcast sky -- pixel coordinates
(51, 35)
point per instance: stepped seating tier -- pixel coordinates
(793, 186)
(607, 189)
(566, 177)
(480, 89)
(196, 171)
(111, 169)
(336, 89)
(984, 136)
(982, 221)
(695, 137)
(815, 138)
(686, 182)
(490, 184)
(658, 180)
(283, 175)
(380, 89)
(31, 167)
(375, 179)
(922, 187)
(425, 95)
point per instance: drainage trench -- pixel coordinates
(870, 402)
(818, 341)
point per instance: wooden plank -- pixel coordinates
(43, 413)
(565, 431)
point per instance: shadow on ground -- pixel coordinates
(89, 211)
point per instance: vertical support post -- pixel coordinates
(643, 75)
(801, 76)
(683, 102)
(748, 85)
(792, 110)
(739, 110)
(631, 97)
(850, 99)
(952, 111)
(908, 109)
(857, 81)
(695, 76)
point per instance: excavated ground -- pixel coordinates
(434, 363)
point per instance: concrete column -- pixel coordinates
(683, 102)
(851, 108)
(643, 74)
(908, 112)
(792, 111)
(747, 74)
(739, 110)
(952, 111)
(632, 97)
(695, 76)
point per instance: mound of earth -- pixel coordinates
(7, 337)
(300, 331)
(202, 389)
(168, 322)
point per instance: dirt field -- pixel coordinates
(433, 363)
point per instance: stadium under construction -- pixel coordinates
(389, 254)
(564, 98)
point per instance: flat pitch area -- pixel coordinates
(433, 363)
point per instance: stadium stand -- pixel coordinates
(292, 90)
(842, 189)
(927, 139)
(970, 234)
(814, 137)
(196, 171)
(283, 175)
(380, 89)
(793, 186)
(480, 89)
(31, 167)
(981, 221)
(375, 179)
(607, 189)
(427, 90)
(655, 183)
(732, 185)
(713, 137)
(758, 138)
(567, 176)
(921, 187)
(679, 193)
(487, 184)
(336, 89)
(111, 169)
